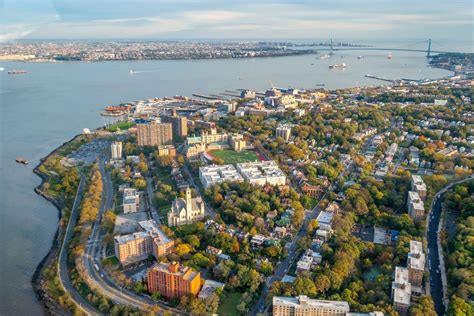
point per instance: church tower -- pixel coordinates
(189, 202)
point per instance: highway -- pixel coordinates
(63, 272)
(99, 279)
(437, 272)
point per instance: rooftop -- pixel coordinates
(416, 257)
(304, 301)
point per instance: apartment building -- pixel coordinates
(262, 172)
(130, 201)
(116, 150)
(211, 175)
(419, 186)
(416, 263)
(401, 290)
(179, 125)
(283, 131)
(302, 306)
(154, 133)
(416, 208)
(172, 280)
(138, 246)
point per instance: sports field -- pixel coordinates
(233, 157)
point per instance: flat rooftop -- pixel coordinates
(304, 301)
(325, 217)
(401, 287)
(416, 257)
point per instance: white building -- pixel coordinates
(401, 290)
(131, 199)
(262, 172)
(302, 305)
(416, 208)
(211, 175)
(416, 264)
(116, 150)
(186, 211)
(284, 131)
(419, 186)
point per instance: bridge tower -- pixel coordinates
(428, 52)
(332, 48)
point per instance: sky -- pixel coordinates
(235, 19)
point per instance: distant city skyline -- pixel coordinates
(192, 19)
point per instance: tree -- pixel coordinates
(183, 249)
(322, 283)
(140, 184)
(459, 307)
(305, 286)
(423, 307)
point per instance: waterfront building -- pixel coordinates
(401, 290)
(154, 133)
(416, 208)
(140, 245)
(302, 305)
(284, 131)
(186, 211)
(211, 175)
(172, 280)
(262, 172)
(131, 199)
(416, 264)
(116, 150)
(419, 186)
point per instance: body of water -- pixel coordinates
(54, 101)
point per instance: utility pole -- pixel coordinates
(428, 53)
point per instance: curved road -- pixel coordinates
(63, 272)
(98, 279)
(436, 271)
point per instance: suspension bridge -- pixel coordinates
(406, 48)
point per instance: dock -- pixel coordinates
(381, 79)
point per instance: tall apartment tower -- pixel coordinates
(154, 134)
(173, 280)
(284, 131)
(116, 150)
(180, 125)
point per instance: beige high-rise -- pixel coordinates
(154, 134)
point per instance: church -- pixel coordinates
(186, 211)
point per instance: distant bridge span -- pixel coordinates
(384, 49)
(428, 51)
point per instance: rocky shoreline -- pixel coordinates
(48, 304)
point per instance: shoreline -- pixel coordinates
(48, 305)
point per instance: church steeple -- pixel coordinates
(189, 202)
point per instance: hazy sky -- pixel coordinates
(346, 19)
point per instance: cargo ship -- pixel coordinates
(337, 66)
(22, 161)
(16, 72)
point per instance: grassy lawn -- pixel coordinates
(228, 304)
(233, 157)
(121, 125)
(110, 261)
